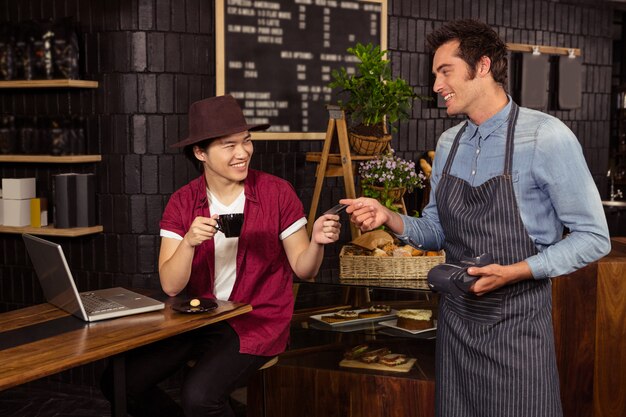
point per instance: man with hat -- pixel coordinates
(255, 268)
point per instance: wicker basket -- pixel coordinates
(368, 145)
(394, 193)
(406, 272)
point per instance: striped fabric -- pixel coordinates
(495, 353)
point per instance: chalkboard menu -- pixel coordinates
(276, 57)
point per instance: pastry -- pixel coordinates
(373, 356)
(389, 247)
(393, 359)
(356, 351)
(375, 311)
(416, 252)
(403, 252)
(341, 315)
(415, 319)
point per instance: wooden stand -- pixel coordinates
(333, 165)
(336, 165)
(340, 164)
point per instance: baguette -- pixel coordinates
(426, 167)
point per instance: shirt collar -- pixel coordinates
(250, 188)
(490, 125)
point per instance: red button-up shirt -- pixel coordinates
(264, 276)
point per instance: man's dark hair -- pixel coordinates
(188, 151)
(476, 40)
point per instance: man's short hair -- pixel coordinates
(188, 152)
(476, 39)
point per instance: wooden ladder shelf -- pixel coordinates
(340, 164)
(333, 165)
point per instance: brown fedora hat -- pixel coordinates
(215, 117)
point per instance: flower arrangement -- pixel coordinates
(387, 177)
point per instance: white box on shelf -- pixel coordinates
(1, 211)
(18, 188)
(44, 218)
(16, 212)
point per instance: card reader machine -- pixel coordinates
(453, 279)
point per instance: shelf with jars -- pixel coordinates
(28, 149)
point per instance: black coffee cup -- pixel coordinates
(230, 224)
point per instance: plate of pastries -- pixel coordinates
(379, 358)
(340, 318)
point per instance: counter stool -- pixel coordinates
(273, 361)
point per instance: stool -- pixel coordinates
(262, 369)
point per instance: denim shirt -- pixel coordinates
(553, 188)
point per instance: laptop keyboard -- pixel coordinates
(96, 304)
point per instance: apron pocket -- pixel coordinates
(486, 309)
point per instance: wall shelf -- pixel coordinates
(69, 159)
(49, 84)
(52, 231)
(544, 49)
(51, 159)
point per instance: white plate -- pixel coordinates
(318, 317)
(392, 324)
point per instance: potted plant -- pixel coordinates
(374, 98)
(387, 177)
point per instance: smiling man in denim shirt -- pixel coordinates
(508, 181)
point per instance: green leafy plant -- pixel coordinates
(385, 173)
(373, 94)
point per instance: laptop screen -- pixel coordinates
(54, 275)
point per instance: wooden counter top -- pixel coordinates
(87, 342)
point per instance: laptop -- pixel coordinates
(60, 290)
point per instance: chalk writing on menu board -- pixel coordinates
(279, 55)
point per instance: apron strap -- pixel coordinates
(508, 160)
(452, 154)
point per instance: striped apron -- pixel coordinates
(495, 353)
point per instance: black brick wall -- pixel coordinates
(154, 57)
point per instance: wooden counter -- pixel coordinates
(311, 384)
(589, 310)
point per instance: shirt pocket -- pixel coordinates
(514, 175)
